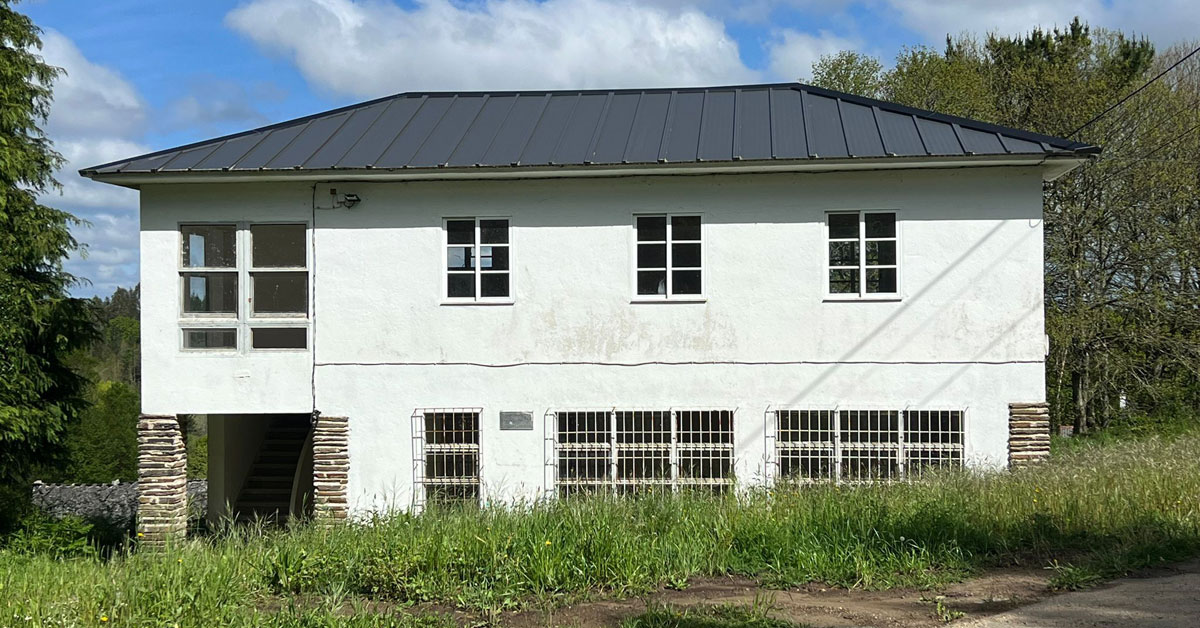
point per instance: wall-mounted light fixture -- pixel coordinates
(344, 200)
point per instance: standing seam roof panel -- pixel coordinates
(506, 148)
(231, 151)
(310, 140)
(449, 132)
(825, 137)
(861, 131)
(787, 125)
(346, 137)
(266, 149)
(753, 124)
(681, 137)
(938, 137)
(716, 127)
(645, 135)
(899, 133)
(614, 130)
(382, 132)
(185, 159)
(418, 129)
(482, 131)
(539, 150)
(572, 147)
(979, 142)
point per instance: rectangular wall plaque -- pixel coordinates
(516, 420)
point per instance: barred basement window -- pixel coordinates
(446, 448)
(625, 451)
(865, 445)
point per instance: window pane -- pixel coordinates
(881, 280)
(843, 281)
(209, 246)
(652, 256)
(276, 293)
(881, 253)
(493, 257)
(685, 255)
(652, 282)
(881, 225)
(685, 227)
(460, 257)
(843, 254)
(493, 231)
(210, 338)
(843, 225)
(210, 293)
(460, 231)
(279, 338)
(277, 246)
(651, 228)
(685, 282)
(493, 284)
(460, 285)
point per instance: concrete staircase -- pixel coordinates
(267, 492)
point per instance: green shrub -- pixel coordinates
(58, 538)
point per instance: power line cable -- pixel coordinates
(1135, 92)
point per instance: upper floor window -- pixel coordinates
(862, 254)
(478, 261)
(668, 257)
(240, 280)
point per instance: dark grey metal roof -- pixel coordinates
(785, 121)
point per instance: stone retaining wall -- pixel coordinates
(115, 503)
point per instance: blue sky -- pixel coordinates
(144, 75)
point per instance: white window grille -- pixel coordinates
(863, 255)
(625, 451)
(446, 455)
(863, 445)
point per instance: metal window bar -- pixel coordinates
(446, 461)
(631, 450)
(863, 445)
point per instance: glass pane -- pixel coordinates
(652, 228)
(460, 285)
(881, 225)
(493, 231)
(882, 253)
(280, 293)
(493, 257)
(652, 256)
(460, 231)
(210, 293)
(493, 284)
(279, 338)
(685, 282)
(685, 255)
(209, 246)
(210, 338)
(881, 280)
(843, 254)
(685, 228)
(652, 282)
(277, 246)
(843, 225)
(460, 257)
(843, 281)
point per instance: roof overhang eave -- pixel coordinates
(1053, 166)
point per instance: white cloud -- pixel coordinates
(792, 54)
(371, 48)
(94, 118)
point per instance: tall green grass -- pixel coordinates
(1095, 511)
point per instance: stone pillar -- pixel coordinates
(331, 467)
(162, 480)
(1028, 433)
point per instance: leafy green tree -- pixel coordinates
(40, 395)
(849, 71)
(102, 445)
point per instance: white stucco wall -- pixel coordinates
(966, 333)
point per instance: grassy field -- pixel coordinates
(1096, 511)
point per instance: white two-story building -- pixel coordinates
(504, 296)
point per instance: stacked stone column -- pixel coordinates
(162, 480)
(1028, 433)
(331, 467)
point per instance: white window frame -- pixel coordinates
(861, 268)
(670, 296)
(478, 299)
(421, 449)
(244, 321)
